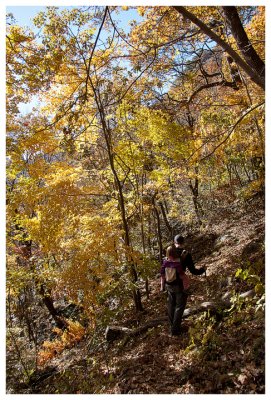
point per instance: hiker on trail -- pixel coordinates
(176, 282)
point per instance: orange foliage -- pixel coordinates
(67, 339)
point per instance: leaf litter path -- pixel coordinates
(158, 363)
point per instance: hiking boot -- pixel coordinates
(183, 329)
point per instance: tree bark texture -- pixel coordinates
(259, 80)
(166, 221)
(48, 302)
(243, 43)
(159, 233)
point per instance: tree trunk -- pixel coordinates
(142, 231)
(246, 171)
(169, 227)
(243, 43)
(237, 175)
(108, 140)
(195, 189)
(259, 80)
(26, 246)
(228, 166)
(147, 288)
(149, 234)
(159, 233)
(48, 301)
(195, 196)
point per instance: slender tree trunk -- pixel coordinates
(108, 140)
(147, 289)
(159, 233)
(133, 272)
(238, 176)
(142, 231)
(246, 171)
(165, 204)
(48, 301)
(195, 196)
(169, 227)
(228, 166)
(195, 189)
(149, 234)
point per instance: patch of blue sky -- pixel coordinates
(24, 16)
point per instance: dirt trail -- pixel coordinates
(158, 363)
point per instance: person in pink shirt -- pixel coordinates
(176, 282)
(172, 272)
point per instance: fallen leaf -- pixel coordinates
(242, 378)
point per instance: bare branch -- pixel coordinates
(243, 115)
(134, 81)
(94, 46)
(121, 36)
(209, 85)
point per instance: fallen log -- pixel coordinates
(114, 332)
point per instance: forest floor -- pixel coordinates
(221, 352)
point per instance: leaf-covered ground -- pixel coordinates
(220, 352)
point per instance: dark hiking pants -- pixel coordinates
(177, 299)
